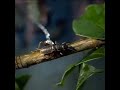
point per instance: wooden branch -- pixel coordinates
(36, 57)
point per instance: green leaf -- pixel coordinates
(16, 86)
(86, 71)
(22, 80)
(95, 55)
(92, 22)
(99, 53)
(65, 75)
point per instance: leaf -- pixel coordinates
(65, 75)
(22, 80)
(99, 53)
(95, 55)
(86, 71)
(16, 86)
(92, 22)
(96, 14)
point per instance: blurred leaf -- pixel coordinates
(92, 22)
(86, 71)
(22, 81)
(16, 86)
(65, 75)
(97, 54)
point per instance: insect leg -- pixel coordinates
(71, 49)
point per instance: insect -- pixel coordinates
(55, 49)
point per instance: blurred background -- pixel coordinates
(57, 17)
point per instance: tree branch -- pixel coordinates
(37, 56)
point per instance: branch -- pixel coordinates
(36, 57)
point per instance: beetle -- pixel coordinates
(55, 49)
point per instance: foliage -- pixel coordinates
(86, 71)
(21, 81)
(92, 22)
(16, 86)
(92, 25)
(95, 55)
